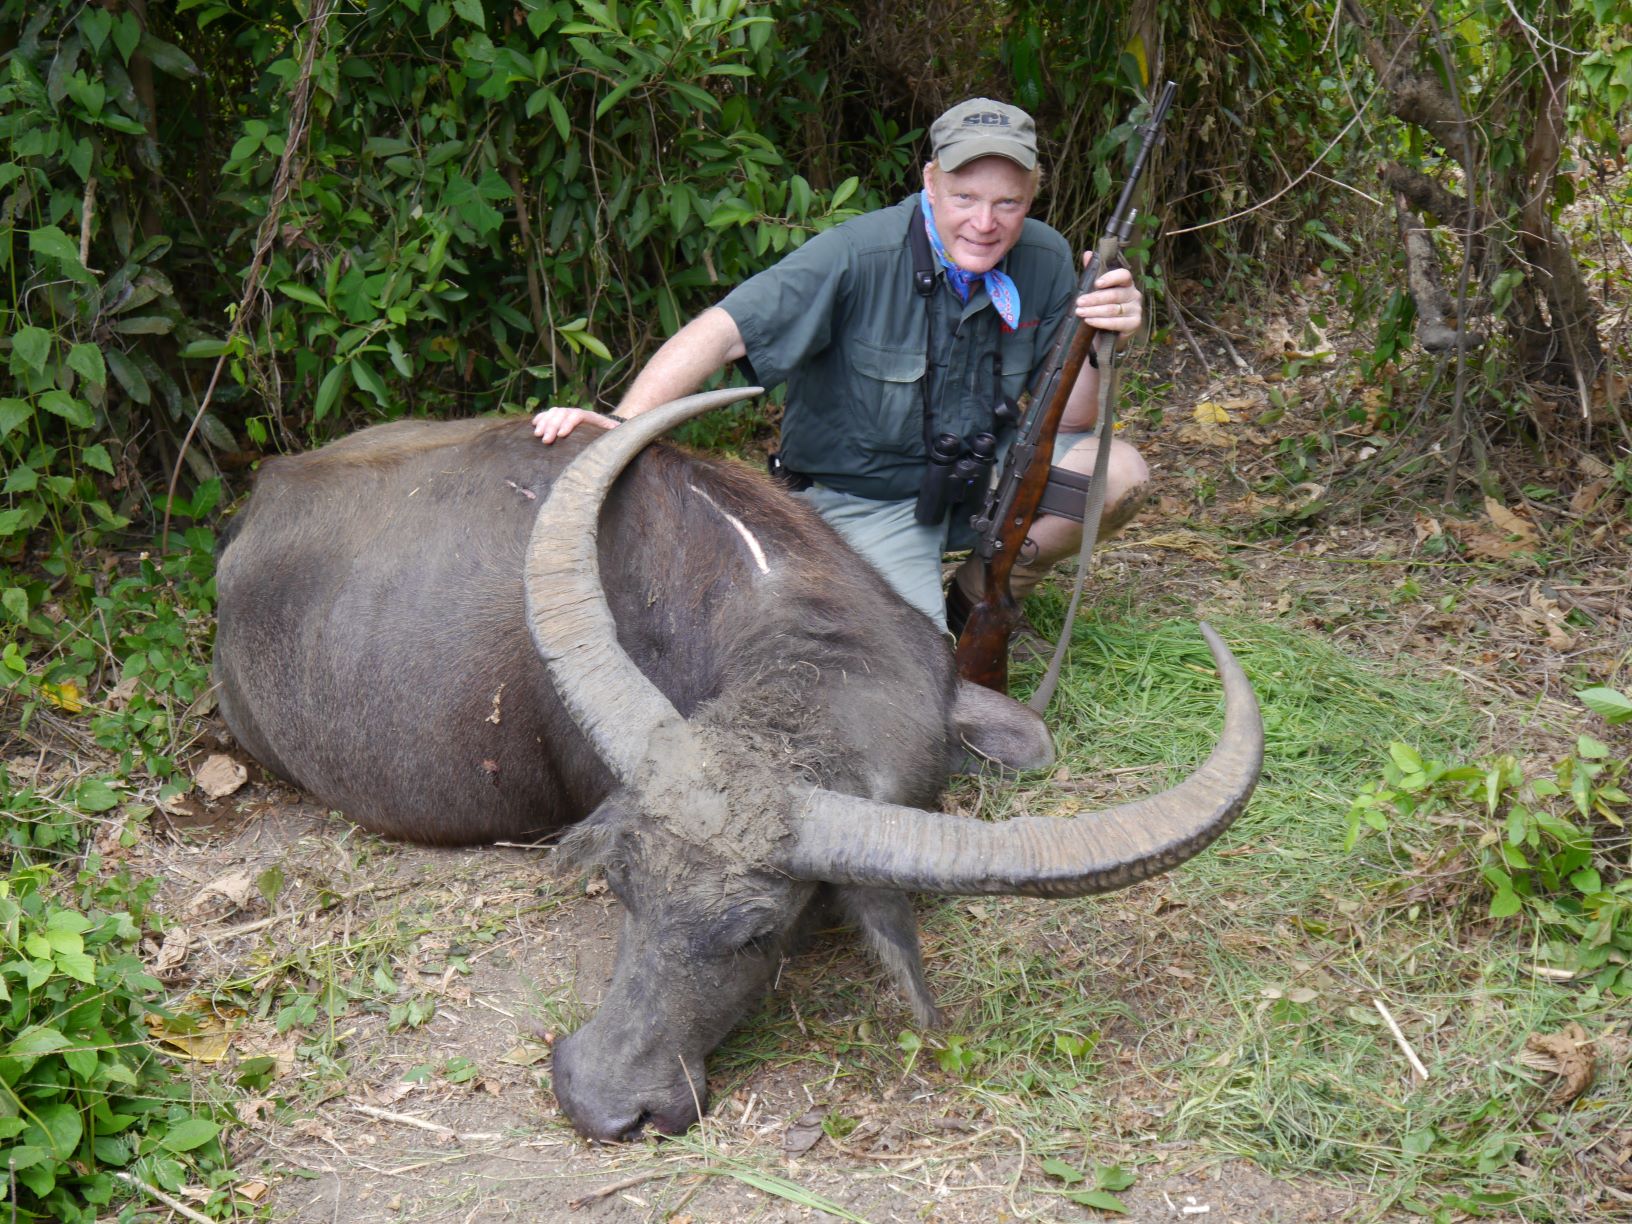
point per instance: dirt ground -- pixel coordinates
(373, 1148)
(452, 1120)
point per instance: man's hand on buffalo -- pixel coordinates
(1114, 305)
(558, 422)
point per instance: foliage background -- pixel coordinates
(228, 230)
(442, 207)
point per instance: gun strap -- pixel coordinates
(1093, 510)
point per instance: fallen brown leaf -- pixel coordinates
(1509, 522)
(1567, 1054)
(220, 776)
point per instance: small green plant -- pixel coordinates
(1092, 1191)
(85, 1107)
(1549, 846)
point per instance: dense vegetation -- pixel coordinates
(228, 230)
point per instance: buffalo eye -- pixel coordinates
(744, 932)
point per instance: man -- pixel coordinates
(876, 366)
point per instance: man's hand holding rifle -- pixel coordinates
(1014, 501)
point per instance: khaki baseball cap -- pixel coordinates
(981, 127)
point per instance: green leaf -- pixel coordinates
(86, 361)
(33, 345)
(96, 456)
(1063, 1171)
(127, 34)
(51, 242)
(367, 380)
(15, 601)
(26, 1155)
(302, 294)
(1587, 881)
(1505, 904)
(189, 1134)
(844, 191)
(62, 1125)
(1615, 707)
(1099, 1200)
(471, 11)
(36, 1040)
(330, 389)
(96, 24)
(95, 795)
(144, 325)
(168, 59)
(126, 374)
(618, 94)
(75, 412)
(77, 965)
(1406, 757)
(1114, 1177)
(13, 412)
(203, 348)
(436, 17)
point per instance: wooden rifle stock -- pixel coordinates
(983, 645)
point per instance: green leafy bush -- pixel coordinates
(82, 1097)
(1548, 846)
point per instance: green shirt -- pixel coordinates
(839, 321)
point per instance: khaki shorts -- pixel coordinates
(906, 553)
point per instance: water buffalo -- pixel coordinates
(453, 636)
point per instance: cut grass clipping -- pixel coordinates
(1237, 1004)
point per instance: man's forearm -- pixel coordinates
(687, 359)
(1082, 409)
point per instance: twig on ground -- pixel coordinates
(179, 1208)
(435, 1127)
(1399, 1037)
(595, 1196)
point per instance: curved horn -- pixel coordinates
(614, 704)
(843, 839)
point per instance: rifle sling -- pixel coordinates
(1094, 506)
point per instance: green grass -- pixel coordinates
(1230, 1005)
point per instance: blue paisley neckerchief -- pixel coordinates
(1000, 287)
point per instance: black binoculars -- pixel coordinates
(956, 469)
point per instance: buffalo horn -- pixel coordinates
(844, 839)
(620, 711)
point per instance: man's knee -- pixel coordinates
(1126, 476)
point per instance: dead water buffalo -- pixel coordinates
(440, 629)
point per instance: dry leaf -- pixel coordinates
(118, 697)
(200, 1034)
(172, 954)
(219, 776)
(1277, 341)
(803, 1134)
(65, 696)
(236, 886)
(1568, 1055)
(1426, 528)
(1508, 521)
(1586, 498)
(1211, 412)
(254, 1191)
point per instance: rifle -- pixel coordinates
(1011, 505)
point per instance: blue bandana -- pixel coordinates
(1000, 287)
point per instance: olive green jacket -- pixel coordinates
(839, 321)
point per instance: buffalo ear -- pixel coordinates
(890, 930)
(592, 842)
(993, 727)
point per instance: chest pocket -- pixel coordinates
(886, 396)
(1019, 353)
